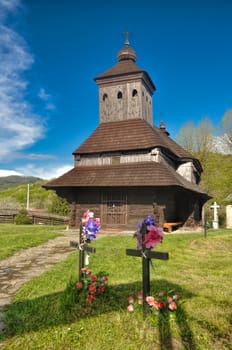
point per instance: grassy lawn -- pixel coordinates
(199, 269)
(16, 237)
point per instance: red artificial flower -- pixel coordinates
(101, 290)
(130, 300)
(83, 269)
(104, 278)
(79, 285)
(153, 237)
(92, 289)
(162, 304)
(93, 278)
(89, 298)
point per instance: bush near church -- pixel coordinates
(22, 218)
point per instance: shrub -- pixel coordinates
(22, 218)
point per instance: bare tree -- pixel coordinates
(199, 139)
(227, 130)
(186, 137)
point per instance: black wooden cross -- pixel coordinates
(83, 247)
(146, 255)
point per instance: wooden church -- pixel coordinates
(128, 168)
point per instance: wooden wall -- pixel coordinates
(176, 205)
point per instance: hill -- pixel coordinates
(15, 180)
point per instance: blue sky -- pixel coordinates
(51, 50)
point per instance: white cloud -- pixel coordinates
(44, 96)
(4, 173)
(7, 6)
(48, 171)
(20, 126)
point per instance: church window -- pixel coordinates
(119, 95)
(134, 93)
(105, 96)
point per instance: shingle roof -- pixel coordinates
(123, 67)
(130, 174)
(128, 135)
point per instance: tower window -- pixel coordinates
(134, 93)
(105, 96)
(119, 95)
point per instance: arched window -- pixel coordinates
(134, 93)
(105, 96)
(119, 95)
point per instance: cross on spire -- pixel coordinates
(126, 34)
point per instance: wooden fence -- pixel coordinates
(38, 218)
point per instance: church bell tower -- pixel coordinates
(125, 90)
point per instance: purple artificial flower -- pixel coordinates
(91, 229)
(148, 221)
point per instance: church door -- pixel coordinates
(114, 207)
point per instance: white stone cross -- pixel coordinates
(215, 207)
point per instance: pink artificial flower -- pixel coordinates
(83, 269)
(153, 237)
(161, 293)
(169, 299)
(104, 278)
(156, 304)
(79, 285)
(172, 306)
(150, 300)
(176, 296)
(85, 218)
(97, 220)
(130, 307)
(130, 300)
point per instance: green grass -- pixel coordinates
(43, 317)
(16, 237)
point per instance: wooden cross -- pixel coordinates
(83, 247)
(146, 255)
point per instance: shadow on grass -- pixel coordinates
(59, 309)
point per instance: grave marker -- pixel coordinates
(83, 247)
(146, 255)
(215, 208)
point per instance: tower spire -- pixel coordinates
(126, 43)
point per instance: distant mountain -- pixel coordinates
(15, 180)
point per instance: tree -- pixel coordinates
(59, 206)
(186, 137)
(199, 139)
(227, 130)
